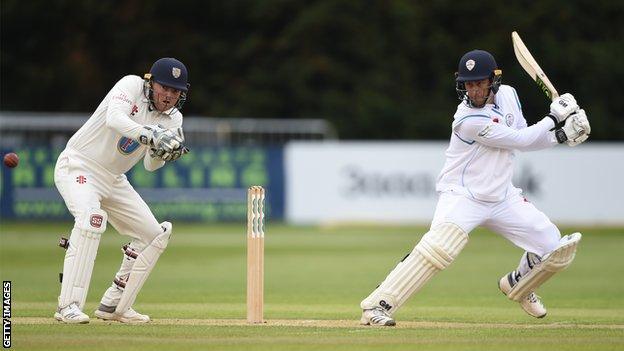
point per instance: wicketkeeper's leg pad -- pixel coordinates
(553, 262)
(436, 250)
(80, 256)
(111, 296)
(142, 267)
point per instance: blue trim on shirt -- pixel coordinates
(474, 153)
(517, 99)
(456, 123)
(498, 112)
(465, 141)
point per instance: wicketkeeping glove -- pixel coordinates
(160, 137)
(169, 156)
(169, 145)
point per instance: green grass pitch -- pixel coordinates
(315, 278)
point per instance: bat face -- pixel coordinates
(529, 64)
(545, 89)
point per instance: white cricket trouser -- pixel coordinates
(83, 184)
(514, 218)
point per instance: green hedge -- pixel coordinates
(376, 69)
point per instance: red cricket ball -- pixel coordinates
(11, 160)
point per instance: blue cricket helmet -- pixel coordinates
(476, 65)
(170, 72)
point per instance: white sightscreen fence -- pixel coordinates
(372, 182)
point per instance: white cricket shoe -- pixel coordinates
(71, 315)
(130, 316)
(376, 316)
(531, 304)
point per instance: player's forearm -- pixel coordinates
(151, 164)
(542, 139)
(535, 137)
(121, 105)
(121, 123)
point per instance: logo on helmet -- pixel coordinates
(175, 71)
(470, 64)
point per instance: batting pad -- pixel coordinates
(80, 256)
(556, 261)
(436, 250)
(142, 267)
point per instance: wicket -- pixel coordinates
(255, 254)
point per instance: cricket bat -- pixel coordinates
(532, 68)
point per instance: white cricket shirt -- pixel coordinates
(479, 159)
(110, 136)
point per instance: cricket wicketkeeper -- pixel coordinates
(138, 119)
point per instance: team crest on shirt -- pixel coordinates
(127, 146)
(509, 119)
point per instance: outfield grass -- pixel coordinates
(315, 279)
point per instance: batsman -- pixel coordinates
(475, 189)
(138, 119)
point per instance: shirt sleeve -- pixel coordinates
(120, 106)
(151, 164)
(487, 132)
(522, 122)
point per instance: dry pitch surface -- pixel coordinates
(319, 323)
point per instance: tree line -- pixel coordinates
(376, 69)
